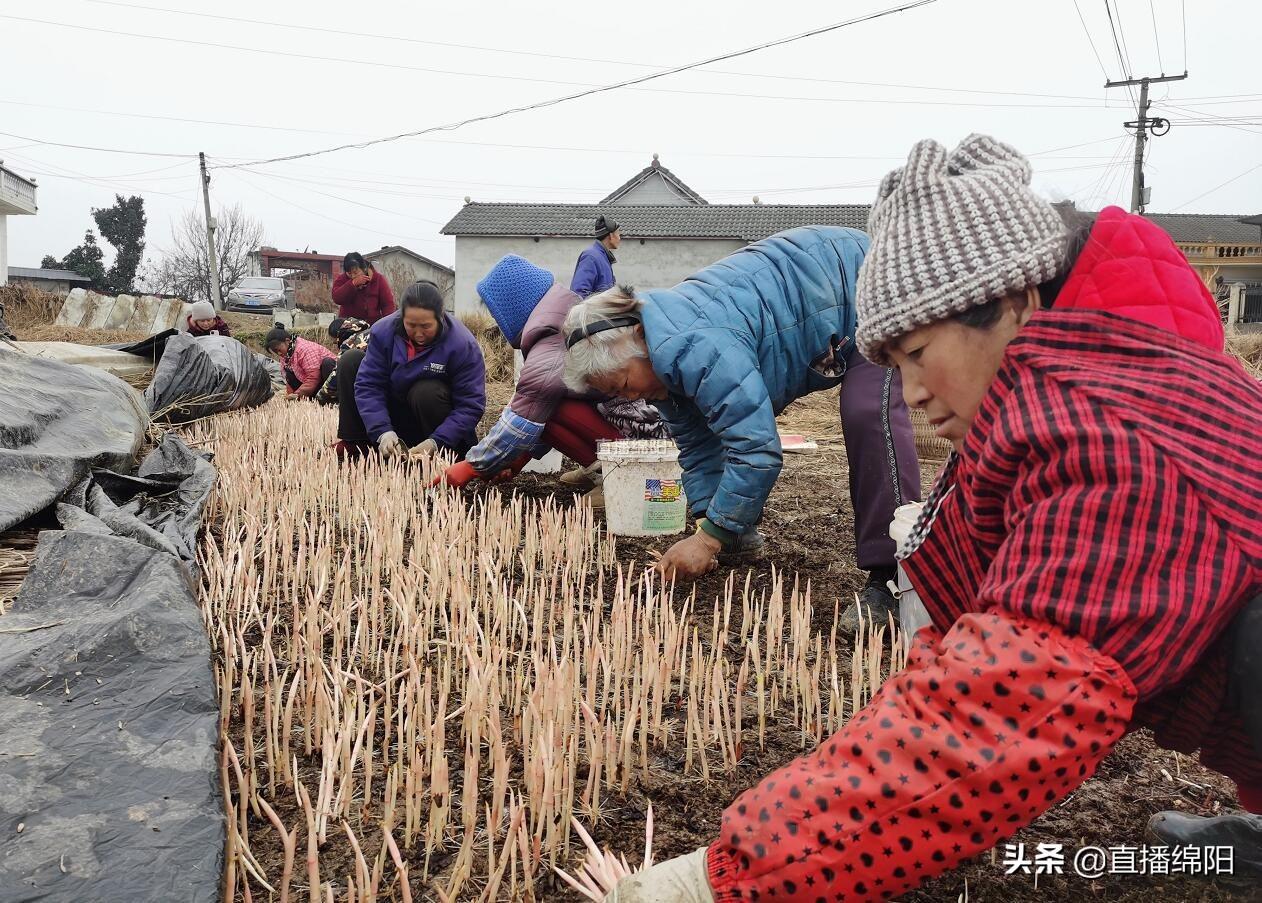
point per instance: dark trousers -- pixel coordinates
(415, 417)
(881, 450)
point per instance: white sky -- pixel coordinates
(807, 134)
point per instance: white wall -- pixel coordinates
(4, 249)
(643, 263)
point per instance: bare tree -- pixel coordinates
(183, 269)
(400, 275)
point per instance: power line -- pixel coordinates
(1184, 5)
(331, 219)
(578, 59)
(592, 91)
(1087, 32)
(103, 150)
(1156, 37)
(1121, 60)
(681, 91)
(291, 54)
(1216, 187)
(1117, 8)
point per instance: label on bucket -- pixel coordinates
(663, 508)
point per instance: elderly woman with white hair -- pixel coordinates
(1091, 556)
(725, 351)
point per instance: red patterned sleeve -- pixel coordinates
(986, 728)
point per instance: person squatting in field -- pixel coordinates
(724, 352)
(529, 305)
(1091, 555)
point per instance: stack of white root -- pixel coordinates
(420, 688)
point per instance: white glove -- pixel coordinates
(678, 880)
(422, 450)
(391, 445)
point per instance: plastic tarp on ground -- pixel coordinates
(57, 422)
(206, 375)
(108, 712)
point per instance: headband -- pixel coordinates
(586, 332)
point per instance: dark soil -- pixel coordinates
(808, 526)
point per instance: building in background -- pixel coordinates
(1226, 250)
(17, 198)
(56, 282)
(403, 266)
(668, 232)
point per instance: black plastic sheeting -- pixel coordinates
(57, 422)
(108, 711)
(108, 730)
(206, 375)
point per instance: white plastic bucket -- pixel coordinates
(644, 487)
(911, 611)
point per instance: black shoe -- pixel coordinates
(877, 602)
(1242, 832)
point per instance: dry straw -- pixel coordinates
(420, 689)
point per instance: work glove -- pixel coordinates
(390, 445)
(511, 471)
(678, 880)
(459, 474)
(423, 450)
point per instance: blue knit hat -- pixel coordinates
(511, 291)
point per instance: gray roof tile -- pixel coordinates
(1189, 227)
(37, 273)
(746, 222)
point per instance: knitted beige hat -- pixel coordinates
(950, 232)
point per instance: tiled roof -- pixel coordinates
(676, 184)
(387, 249)
(746, 222)
(55, 275)
(1190, 227)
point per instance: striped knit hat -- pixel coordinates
(951, 232)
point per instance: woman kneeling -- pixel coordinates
(420, 383)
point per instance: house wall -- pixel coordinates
(59, 287)
(643, 263)
(385, 263)
(652, 190)
(4, 249)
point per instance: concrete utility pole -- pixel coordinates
(1141, 125)
(212, 258)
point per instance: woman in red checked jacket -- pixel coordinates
(1091, 556)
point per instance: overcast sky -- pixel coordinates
(816, 121)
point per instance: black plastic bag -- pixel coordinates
(58, 421)
(204, 375)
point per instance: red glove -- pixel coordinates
(459, 474)
(512, 470)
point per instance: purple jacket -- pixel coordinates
(387, 374)
(594, 272)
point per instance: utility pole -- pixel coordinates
(1142, 124)
(211, 257)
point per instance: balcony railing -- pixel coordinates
(1218, 252)
(17, 191)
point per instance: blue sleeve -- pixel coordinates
(700, 451)
(372, 385)
(586, 276)
(468, 399)
(721, 378)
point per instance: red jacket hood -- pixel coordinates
(1130, 267)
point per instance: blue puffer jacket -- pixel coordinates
(734, 345)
